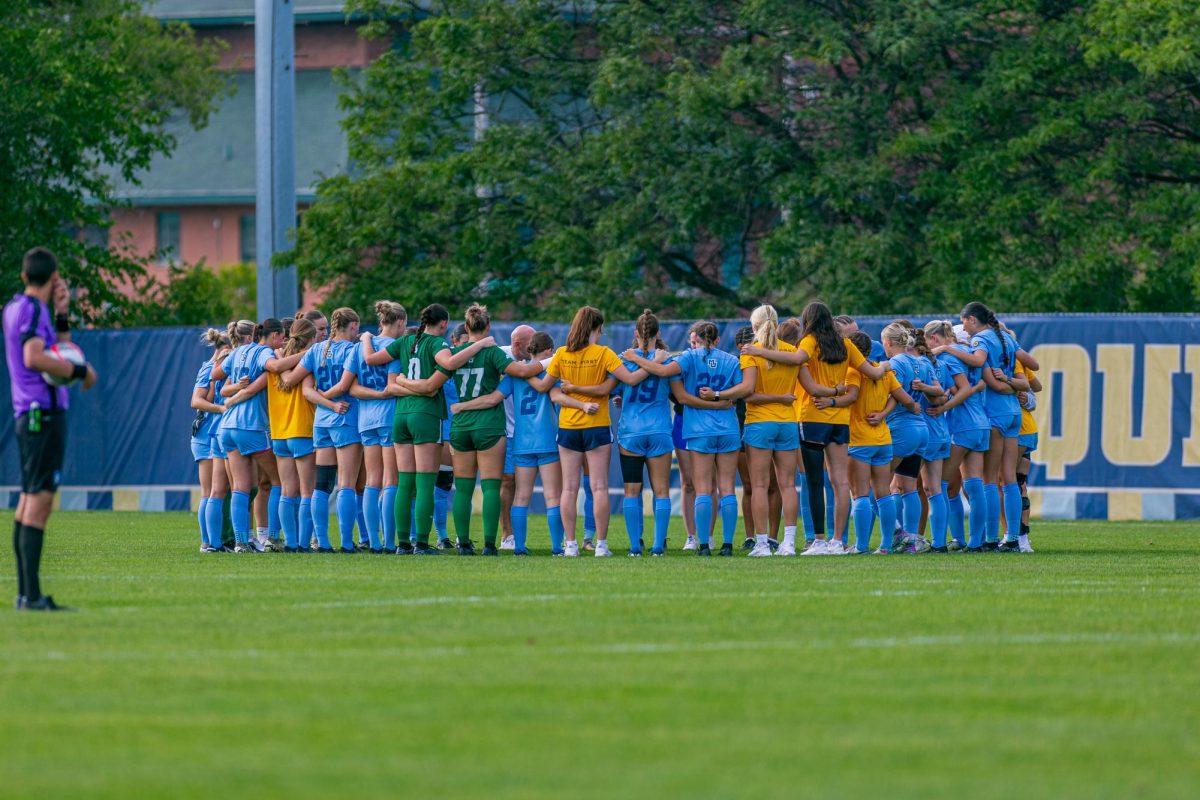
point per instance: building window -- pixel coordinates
(96, 236)
(166, 234)
(247, 237)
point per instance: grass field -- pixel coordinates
(1068, 673)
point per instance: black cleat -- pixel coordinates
(363, 545)
(44, 603)
(774, 545)
(991, 547)
(378, 552)
(348, 551)
(973, 550)
(748, 544)
(1009, 547)
(291, 549)
(425, 550)
(466, 548)
(326, 550)
(726, 550)
(704, 550)
(490, 550)
(939, 549)
(404, 549)
(444, 544)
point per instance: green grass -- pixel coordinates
(1069, 673)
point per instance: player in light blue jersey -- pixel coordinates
(707, 381)
(995, 351)
(376, 414)
(910, 434)
(244, 426)
(206, 449)
(335, 429)
(932, 372)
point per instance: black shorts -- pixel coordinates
(820, 434)
(581, 440)
(42, 451)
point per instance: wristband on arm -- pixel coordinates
(79, 372)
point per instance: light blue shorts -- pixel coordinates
(1028, 440)
(648, 445)
(509, 463)
(340, 436)
(296, 447)
(215, 448)
(978, 440)
(909, 439)
(247, 443)
(377, 437)
(772, 435)
(1009, 425)
(936, 451)
(202, 448)
(535, 459)
(876, 455)
(722, 443)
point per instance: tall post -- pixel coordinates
(275, 153)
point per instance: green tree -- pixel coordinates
(196, 295)
(884, 155)
(90, 86)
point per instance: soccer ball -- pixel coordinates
(64, 351)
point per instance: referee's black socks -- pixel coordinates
(17, 552)
(31, 560)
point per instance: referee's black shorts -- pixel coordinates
(42, 451)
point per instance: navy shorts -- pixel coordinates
(824, 433)
(581, 440)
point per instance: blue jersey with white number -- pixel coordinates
(535, 418)
(717, 370)
(969, 415)
(373, 414)
(906, 369)
(645, 408)
(247, 361)
(326, 361)
(1001, 354)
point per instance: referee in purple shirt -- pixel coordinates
(40, 410)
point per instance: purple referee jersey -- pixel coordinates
(27, 317)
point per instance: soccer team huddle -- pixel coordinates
(824, 426)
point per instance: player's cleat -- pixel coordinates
(287, 549)
(571, 549)
(378, 552)
(420, 549)
(18, 602)
(704, 550)
(834, 547)
(602, 550)
(364, 545)
(726, 550)
(991, 547)
(944, 549)
(326, 550)
(223, 549)
(348, 551)
(490, 550)
(973, 550)
(1008, 547)
(760, 550)
(773, 544)
(882, 552)
(270, 545)
(748, 544)
(587, 544)
(404, 549)
(204, 548)
(444, 544)
(635, 553)
(786, 549)
(815, 548)
(244, 548)
(1024, 545)
(854, 551)
(520, 552)
(466, 548)
(691, 544)
(656, 552)
(955, 546)
(44, 603)
(508, 543)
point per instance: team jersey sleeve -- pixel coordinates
(854, 357)
(745, 362)
(505, 387)
(953, 367)
(25, 322)
(853, 377)
(353, 363)
(309, 361)
(735, 374)
(555, 366)
(395, 348)
(204, 376)
(227, 364)
(611, 361)
(261, 358)
(439, 347)
(685, 363)
(500, 359)
(891, 382)
(393, 366)
(809, 345)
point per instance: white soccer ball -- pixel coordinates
(64, 351)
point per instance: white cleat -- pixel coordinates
(817, 548)
(786, 548)
(761, 550)
(571, 549)
(691, 543)
(602, 550)
(508, 543)
(1023, 545)
(833, 547)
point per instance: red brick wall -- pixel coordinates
(323, 45)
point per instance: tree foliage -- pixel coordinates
(699, 157)
(90, 86)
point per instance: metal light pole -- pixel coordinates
(275, 153)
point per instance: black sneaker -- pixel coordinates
(704, 550)
(726, 550)
(425, 550)
(1008, 547)
(466, 548)
(939, 549)
(490, 550)
(404, 549)
(348, 551)
(748, 544)
(378, 552)
(291, 549)
(44, 603)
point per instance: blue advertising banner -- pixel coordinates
(1118, 438)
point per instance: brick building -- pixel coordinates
(198, 204)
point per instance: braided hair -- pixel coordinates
(431, 315)
(985, 316)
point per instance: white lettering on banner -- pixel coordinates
(1119, 444)
(1068, 448)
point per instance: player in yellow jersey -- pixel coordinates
(1027, 441)
(291, 418)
